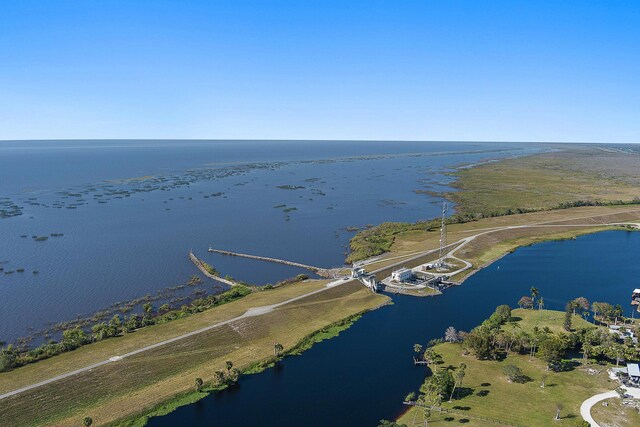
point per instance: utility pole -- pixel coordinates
(443, 237)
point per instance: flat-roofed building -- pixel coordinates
(401, 275)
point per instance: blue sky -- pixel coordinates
(306, 69)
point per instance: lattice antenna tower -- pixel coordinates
(443, 236)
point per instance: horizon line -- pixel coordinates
(312, 140)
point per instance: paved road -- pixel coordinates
(585, 408)
(254, 311)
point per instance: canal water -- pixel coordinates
(362, 375)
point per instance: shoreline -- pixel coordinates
(76, 404)
(188, 398)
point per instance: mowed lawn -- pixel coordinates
(138, 383)
(487, 398)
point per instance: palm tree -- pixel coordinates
(432, 357)
(87, 421)
(534, 293)
(229, 365)
(459, 376)
(234, 375)
(218, 377)
(199, 384)
(540, 306)
(417, 348)
(559, 407)
(277, 349)
(147, 308)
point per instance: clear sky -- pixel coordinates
(321, 69)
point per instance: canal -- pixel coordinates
(361, 376)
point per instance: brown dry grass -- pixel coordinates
(615, 414)
(137, 383)
(576, 172)
(495, 244)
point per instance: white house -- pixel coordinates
(401, 275)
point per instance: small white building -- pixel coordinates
(634, 372)
(357, 272)
(402, 275)
(635, 297)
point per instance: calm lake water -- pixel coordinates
(362, 375)
(129, 211)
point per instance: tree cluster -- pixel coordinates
(496, 336)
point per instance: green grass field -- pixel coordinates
(139, 383)
(490, 400)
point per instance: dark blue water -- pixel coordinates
(362, 375)
(131, 210)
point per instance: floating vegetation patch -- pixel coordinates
(40, 238)
(219, 194)
(389, 203)
(280, 206)
(194, 280)
(8, 208)
(291, 187)
(290, 209)
(352, 229)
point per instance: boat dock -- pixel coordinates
(319, 271)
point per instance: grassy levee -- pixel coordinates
(504, 403)
(140, 383)
(495, 243)
(547, 184)
(102, 350)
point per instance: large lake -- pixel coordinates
(363, 374)
(129, 211)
